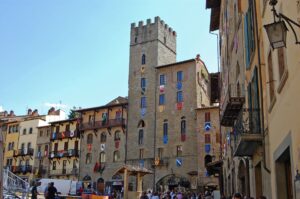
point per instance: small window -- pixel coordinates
(179, 151)
(165, 40)
(160, 153)
(141, 124)
(143, 102)
(135, 40)
(116, 156)
(22, 146)
(183, 126)
(47, 132)
(179, 76)
(57, 129)
(54, 165)
(29, 145)
(162, 80)
(41, 133)
(9, 147)
(143, 83)
(117, 135)
(141, 154)
(143, 59)
(141, 137)
(207, 117)
(102, 157)
(207, 139)
(30, 130)
(91, 119)
(88, 158)
(24, 131)
(179, 96)
(103, 137)
(67, 127)
(161, 99)
(165, 128)
(12, 146)
(90, 139)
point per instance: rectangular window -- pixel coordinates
(207, 139)
(161, 99)
(143, 83)
(179, 96)
(57, 129)
(179, 151)
(141, 154)
(179, 76)
(41, 133)
(68, 127)
(165, 126)
(160, 153)
(207, 117)
(249, 33)
(54, 165)
(271, 78)
(162, 80)
(281, 61)
(143, 102)
(66, 146)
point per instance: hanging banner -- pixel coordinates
(161, 108)
(178, 162)
(179, 105)
(207, 126)
(179, 85)
(72, 134)
(165, 139)
(207, 148)
(183, 137)
(162, 88)
(102, 147)
(143, 112)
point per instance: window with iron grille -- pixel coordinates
(162, 80)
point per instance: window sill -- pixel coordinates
(272, 104)
(282, 81)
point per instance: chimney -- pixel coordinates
(29, 112)
(11, 113)
(51, 111)
(35, 112)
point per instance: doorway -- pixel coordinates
(258, 180)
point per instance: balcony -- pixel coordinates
(40, 170)
(102, 124)
(232, 104)
(64, 153)
(61, 172)
(65, 135)
(23, 152)
(22, 169)
(247, 133)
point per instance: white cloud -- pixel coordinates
(1, 109)
(56, 106)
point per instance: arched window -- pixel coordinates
(117, 135)
(22, 146)
(143, 59)
(141, 124)
(30, 130)
(90, 139)
(183, 126)
(116, 156)
(12, 146)
(102, 157)
(28, 145)
(88, 158)
(24, 131)
(141, 136)
(165, 127)
(9, 147)
(103, 137)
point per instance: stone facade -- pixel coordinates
(155, 111)
(103, 136)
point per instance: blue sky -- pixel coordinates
(76, 52)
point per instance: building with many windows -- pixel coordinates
(64, 150)
(103, 140)
(163, 98)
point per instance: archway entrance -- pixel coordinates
(242, 176)
(172, 181)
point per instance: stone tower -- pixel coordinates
(151, 45)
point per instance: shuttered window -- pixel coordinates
(249, 33)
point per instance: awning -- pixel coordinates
(214, 167)
(133, 170)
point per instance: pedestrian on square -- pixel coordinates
(34, 192)
(237, 196)
(262, 197)
(52, 191)
(149, 194)
(155, 196)
(144, 195)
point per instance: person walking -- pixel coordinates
(52, 191)
(237, 196)
(46, 191)
(34, 192)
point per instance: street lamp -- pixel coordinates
(277, 31)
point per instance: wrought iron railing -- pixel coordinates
(64, 135)
(102, 124)
(233, 91)
(23, 152)
(64, 153)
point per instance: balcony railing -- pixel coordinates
(232, 104)
(64, 135)
(22, 169)
(64, 153)
(102, 124)
(247, 132)
(59, 172)
(23, 152)
(40, 170)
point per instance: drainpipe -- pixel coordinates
(154, 148)
(260, 88)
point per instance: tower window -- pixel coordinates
(116, 156)
(165, 127)
(183, 126)
(179, 96)
(179, 76)
(135, 40)
(162, 80)
(143, 59)
(30, 130)
(143, 83)
(141, 136)
(179, 151)
(141, 154)
(143, 102)
(162, 99)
